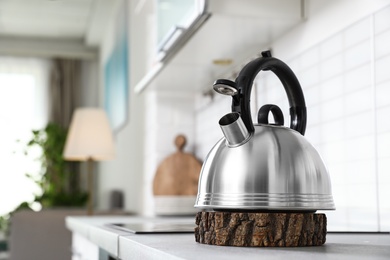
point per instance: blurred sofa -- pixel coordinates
(41, 235)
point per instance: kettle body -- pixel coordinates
(263, 167)
(276, 170)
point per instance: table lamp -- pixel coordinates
(89, 139)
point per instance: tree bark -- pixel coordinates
(260, 229)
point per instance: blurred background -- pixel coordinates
(150, 65)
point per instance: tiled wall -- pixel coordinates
(168, 114)
(346, 82)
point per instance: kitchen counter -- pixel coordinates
(127, 245)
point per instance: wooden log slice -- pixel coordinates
(260, 229)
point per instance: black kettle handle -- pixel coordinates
(244, 82)
(262, 115)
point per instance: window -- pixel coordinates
(23, 107)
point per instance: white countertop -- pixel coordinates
(125, 245)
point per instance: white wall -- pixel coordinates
(341, 57)
(125, 172)
(90, 83)
(325, 18)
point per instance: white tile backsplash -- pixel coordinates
(359, 101)
(357, 33)
(382, 69)
(310, 76)
(382, 44)
(335, 152)
(357, 78)
(312, 96)
(314, 135)
(384, 191)
(361, 124)
(331, 67)
(382, 20)
(384, 173)
(362, 218)
(331, 46)
(360, 148)
(338, 218)
(207, 131)
(361, 196)
(336, 171)
(295, 65)
(164, 114)
(330, 89)
(333, 131)
(347, 91)
(310, 58)
(383, 94)
(313, 115)
(357, 55)
(332, 109)
(384, 213)
(383, 119)
(384, 145)
(357, 172)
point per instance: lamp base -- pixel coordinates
(90, 187)
(252, 229)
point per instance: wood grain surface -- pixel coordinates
(178, 174)
(260, 229)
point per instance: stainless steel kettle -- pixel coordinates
(263, 167)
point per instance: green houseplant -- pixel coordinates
(59, 178)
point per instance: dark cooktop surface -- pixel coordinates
(154, 228)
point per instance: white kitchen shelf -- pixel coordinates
(226, 30)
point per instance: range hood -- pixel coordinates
(223, 35)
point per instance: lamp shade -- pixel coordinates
(90, 136)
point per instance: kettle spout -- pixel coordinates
(234, 129)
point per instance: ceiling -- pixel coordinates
(52, 21)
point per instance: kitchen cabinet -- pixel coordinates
(216, 37)
(82, 248)
(174, 19)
